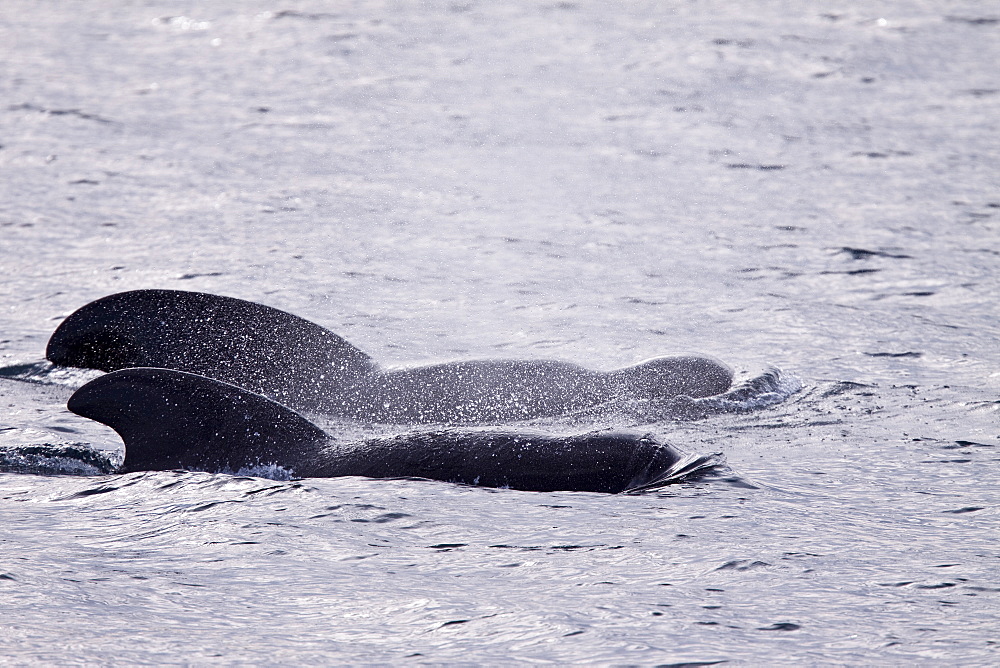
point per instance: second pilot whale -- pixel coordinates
(309, 368)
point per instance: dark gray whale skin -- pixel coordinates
(175, 420)
(306, 367)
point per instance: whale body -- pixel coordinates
(308, 368)
(170, 419)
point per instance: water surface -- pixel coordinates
(813, 188)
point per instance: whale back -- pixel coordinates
(256, 347)
(608, 462)
(679, 375)
(478, 391)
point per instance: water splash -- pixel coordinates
(767, 389)
(46, 373)
(689, 468)
(269, 471)
(61, 459)
(762, 391)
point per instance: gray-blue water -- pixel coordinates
(812, 186)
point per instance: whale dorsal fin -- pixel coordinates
(256, 347)
(172, 419)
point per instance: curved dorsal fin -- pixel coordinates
(172, 419)
(259, 348)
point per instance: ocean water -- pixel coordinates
(807, 186)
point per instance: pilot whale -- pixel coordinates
(308, 368)
(176, 420)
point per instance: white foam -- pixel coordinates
(767, 389)
(46, 373)
(270, 471)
